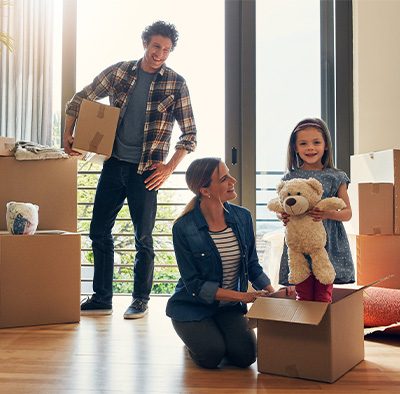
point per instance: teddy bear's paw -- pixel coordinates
(296, 277)
(327, 276)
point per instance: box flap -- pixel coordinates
(287, 310)
(374, 282)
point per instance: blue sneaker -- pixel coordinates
(137, 309)
(91, 306)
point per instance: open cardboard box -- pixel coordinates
(50, 184)
(310, 340)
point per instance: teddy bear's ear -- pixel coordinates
(279, 186)
(316, 185)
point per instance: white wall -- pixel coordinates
(376, 30)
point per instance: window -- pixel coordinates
(199, 57)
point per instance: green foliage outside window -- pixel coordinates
(165, 277)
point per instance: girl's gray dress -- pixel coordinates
(337, 244)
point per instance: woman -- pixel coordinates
(216, 255)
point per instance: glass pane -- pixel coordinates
(199, 55)
(57, 59)
(107, 35)
(288, 90)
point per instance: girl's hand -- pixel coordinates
(284, 217)
(290, 290)
(319, 215)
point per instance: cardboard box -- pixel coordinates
(310, 340)
(372, 207)
(50, 184)
(6, 145)
(95, 128)
(379, 167)
(378, 256)
(39, 279)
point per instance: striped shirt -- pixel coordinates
(168, 101)
(229, 250)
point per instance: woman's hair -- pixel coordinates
(161, 28)
(293, 159)
(198, 175)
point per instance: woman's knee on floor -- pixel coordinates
(209, 356)
(243, 356)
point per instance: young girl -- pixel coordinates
(310, 156)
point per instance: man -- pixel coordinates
(151, 97)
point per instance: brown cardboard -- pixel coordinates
(310, 340)
(39, 279)
(378, 256)
(50, 184)
(6, 146)
(379, 167)
(95, 128)
(372, 207)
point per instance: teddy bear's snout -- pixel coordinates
(290, 201)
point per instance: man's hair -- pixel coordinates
(161, 28)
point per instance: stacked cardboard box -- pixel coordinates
(6, 146)
(40, 274)
(375, 198)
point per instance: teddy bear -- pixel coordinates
(303, 235)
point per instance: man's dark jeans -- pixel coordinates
(120, 180)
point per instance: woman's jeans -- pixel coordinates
(224, 335)
(120, 180)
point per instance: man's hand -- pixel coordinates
(68, 140)
(159, 176)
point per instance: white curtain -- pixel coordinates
(26, 72)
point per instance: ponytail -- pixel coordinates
(189, 207)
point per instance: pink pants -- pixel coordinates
(312, 289)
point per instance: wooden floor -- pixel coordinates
(112, 355)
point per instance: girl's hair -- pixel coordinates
(293, 159)
(198, 175)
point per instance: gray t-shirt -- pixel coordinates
(129, 137)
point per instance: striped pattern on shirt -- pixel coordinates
(229, 250)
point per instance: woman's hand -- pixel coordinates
(253, 295)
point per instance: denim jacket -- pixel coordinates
(200, 264)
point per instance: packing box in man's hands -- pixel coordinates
(310, 340)
(95, 129)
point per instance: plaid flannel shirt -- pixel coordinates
(168, 101)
